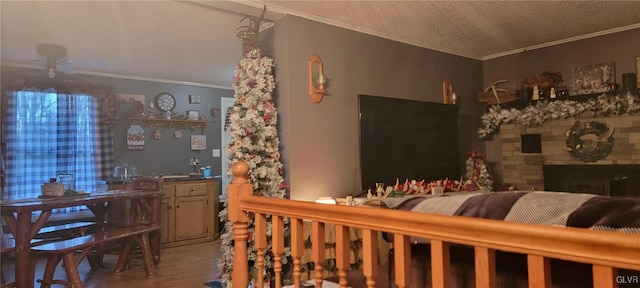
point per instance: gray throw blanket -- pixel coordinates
(618, 214)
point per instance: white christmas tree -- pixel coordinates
(254, 140)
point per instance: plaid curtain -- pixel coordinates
(47, 134)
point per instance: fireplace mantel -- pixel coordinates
(538, 112)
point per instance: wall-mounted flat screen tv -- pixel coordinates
(407, 139)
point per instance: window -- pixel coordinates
(46, 134)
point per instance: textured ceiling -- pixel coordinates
(195, 42)
(475, 29)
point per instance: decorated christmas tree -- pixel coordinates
(478, 175)
(254, 140)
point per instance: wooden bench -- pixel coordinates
(64, 250)
(8, 245)
(45, 234)
(69, 230)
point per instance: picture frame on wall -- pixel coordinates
(194, 99)
(198, 142)
(591, 79)
(193, 114)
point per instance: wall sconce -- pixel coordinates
(316, 79)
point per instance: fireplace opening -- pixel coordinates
(606, 180)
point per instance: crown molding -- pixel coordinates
(562, 41)
(127, 77)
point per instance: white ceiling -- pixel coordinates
(195, 42)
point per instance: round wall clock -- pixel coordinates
(165, 102)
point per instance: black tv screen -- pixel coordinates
(407, 139)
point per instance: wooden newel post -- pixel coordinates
(239, 189)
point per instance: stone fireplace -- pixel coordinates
(534, 171)
(607, 180)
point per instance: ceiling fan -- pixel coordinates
(55, 57)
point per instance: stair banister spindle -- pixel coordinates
(297, 248)
(277, 242)
(318, 250)
(370, 256)
(342, 253)
(260, 222)
(238, 189)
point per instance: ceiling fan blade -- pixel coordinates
(87, 64)
(63, 61)
(55, 56)
(66, 69)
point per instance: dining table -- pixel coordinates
(19, 216)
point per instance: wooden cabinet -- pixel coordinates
(166, 222)
(191, 201)
(188, 212)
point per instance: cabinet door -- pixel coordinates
(214, 220)
(190, 216)
(166, 220)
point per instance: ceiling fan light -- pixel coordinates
(51, 73)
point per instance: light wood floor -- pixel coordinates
(186, 266)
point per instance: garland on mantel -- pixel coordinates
(541, 111)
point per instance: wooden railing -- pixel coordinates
(606, 251)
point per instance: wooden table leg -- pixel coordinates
(99, 210)
(154, 237)
(151, 207)
(22, 235)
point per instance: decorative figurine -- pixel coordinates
(379, 190)
(536, 93)
(156, 134)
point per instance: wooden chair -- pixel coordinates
(147, 184)
(131, 246)
(143, 184)
(126, 213)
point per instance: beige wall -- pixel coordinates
(320, 141)
(621, 48)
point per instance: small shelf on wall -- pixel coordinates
(168, 124)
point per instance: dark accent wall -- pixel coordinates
(621, 48)
(320, 141)
(166, 155)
